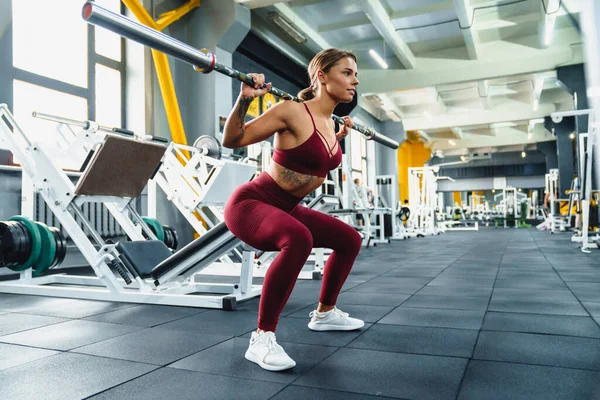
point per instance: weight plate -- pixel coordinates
(36, 242)
(47, 252)
(404, 214)
(61, 247)
(156, 227)
(22, 242)
(173, 239)
(168, 236)
(211, 144)
(11, 244)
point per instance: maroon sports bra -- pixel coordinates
(313, 157)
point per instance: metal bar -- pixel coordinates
(62, 120)
(73, 207)
(71, 122)
(202, 60)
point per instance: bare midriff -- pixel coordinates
(297, 184)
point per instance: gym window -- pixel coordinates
(67, 68)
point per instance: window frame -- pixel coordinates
(88, 93)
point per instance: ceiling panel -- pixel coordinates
(450, 42)
(503, 31)
(354, 34)
(326, 12)
(398, 5)
(410, 35)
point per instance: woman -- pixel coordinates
(265, 214)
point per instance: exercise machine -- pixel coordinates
(116, 170)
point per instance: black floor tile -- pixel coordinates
(430, 293)
(587, 276)
(231, 361)
(68, 335)
(539, 323)
(295, 304)
(171, 383)
(67, 376)
(373, 299)
(146, 315)
(12, 355)
(16, 322)
(531, 294)
(385, 288)
(451, 302)
(586, 291)
(556, 284)
(550, 350)
(415, 272)
(418, 340)
(498, 380)
(470, 291)
(17, 303)
(249, 306)
(592, 308)
(77, 308)
(213, 322)
(158, 345)
(388, 374)
(293, 392)
(462, 281)
(550, 275)
(538, 307)
(401, 281)
(434, 318)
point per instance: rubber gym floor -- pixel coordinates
(494, 314)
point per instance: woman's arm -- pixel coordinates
(237, 133)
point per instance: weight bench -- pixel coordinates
(460, 225)
(152, 259)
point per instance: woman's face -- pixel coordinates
(341, 80)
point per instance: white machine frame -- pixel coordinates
(59, 193)
(586, 145)
(554, 223)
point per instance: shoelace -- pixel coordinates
(335, 310)
(272, 343)
(340, 312)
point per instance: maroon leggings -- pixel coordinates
(268, 218)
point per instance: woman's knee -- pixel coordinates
(298, 240)
(347, 241)
(355, 241)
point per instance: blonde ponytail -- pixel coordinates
(306, 94)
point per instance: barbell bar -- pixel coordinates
(202, 60)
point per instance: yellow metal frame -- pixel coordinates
(163, 71)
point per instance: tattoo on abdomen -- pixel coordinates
(241, 114)
(290, 176)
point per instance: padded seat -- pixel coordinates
(153, 259)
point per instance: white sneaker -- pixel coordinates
(265, 351)
(333, 320)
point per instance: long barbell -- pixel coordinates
(202, 60)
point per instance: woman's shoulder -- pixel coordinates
(286, 106)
